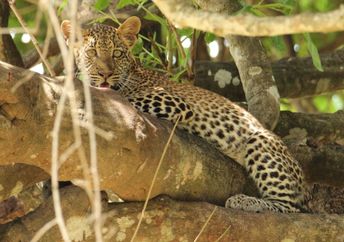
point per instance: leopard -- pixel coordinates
(106, 55)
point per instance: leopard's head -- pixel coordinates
(105, 51)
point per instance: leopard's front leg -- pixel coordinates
(162, 104)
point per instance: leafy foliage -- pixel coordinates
(102, 4)
(313, 51)
(164, 47)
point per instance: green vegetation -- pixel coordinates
(170, 49)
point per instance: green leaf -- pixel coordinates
(153, 17)
(321, 103)
(322, 5)
(209, 37)
(278, 43)
(313, 51)
(185, 32)
(102, 4)
(61, 7)
(124, 3)
(137, 49)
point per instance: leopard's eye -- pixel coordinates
(117, 53)
(91, 52)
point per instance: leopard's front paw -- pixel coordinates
(247, 203)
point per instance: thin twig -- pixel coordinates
(180, 48)
(169, 52)
(223, 234)
(97, 209)
(55, 165)
(23, 80)
(68, 91)
(33, 38)
(205, 224)
(43, 230)
(16, 30)
(154, 179)
(157, 49)
(107, 135)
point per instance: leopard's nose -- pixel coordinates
(105, 74)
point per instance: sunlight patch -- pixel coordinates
(78, 228)
(38, 68)
(213, 49)
(25, 38)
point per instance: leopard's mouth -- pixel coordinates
(105, 85)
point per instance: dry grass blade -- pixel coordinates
(154, 179)
(224, 233)
(43, 230)
(205, 224)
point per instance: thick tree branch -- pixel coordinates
(183, 14)
(295, 77)
(192, 170)
(125, 162)
(320, 129)
(254, 68)
(18, 177)
(168, 220)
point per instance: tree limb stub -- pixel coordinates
(183, 14)
(295, 77)
(168, 220)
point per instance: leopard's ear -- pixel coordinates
(129, 29)
(66, 28)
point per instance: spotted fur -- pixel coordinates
(106, 55)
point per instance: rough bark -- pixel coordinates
(17, 177)
(254, 68)
(295, 77)
(21, 204)
(184, 14)
(127, 167)
(168, 220)
(318, 129)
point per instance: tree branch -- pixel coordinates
(191, 170)
(183, 14)
(295, 77)
(134, 153)
(254, 68)
(168, 220)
